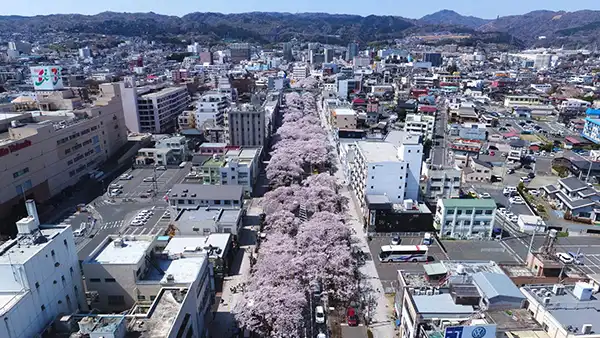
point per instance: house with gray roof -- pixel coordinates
(574, 196)
(498, 291)
(193, 195)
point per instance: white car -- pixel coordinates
(116, 186)
(564, 257)
(148, 179)
(136, 223)
(319, 315)
(126, 177)
(517, 200)
(485, 195)
(509, 190)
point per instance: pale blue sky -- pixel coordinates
(406, 8)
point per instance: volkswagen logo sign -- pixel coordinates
(478, 332)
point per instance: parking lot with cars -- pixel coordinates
(145, 182)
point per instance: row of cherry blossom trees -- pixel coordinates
(299, 252)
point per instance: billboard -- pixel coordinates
(46, 77)
(474, 331)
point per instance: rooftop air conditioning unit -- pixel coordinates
(546, 301)
(436, 291)
(429, 293)
(185, 190)
(170, 278)
(586, 329)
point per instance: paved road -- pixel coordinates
(381, 324)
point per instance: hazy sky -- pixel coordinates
(406, 8)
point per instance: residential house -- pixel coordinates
(477, 171)
(576, 199)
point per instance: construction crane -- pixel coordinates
(171, 230)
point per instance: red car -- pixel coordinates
(352, 317)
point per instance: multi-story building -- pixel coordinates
(50, 152)
(352, 51)
(192, 196)
(178, 146)
(239, 52)
(465, 218)
(85, 52)
(288, 54)
(381, 168)
(477, 171)
(440, 182)
(511, 101)
(434, 58)
(472, 297)
(423, 125)
(246, 126)
(575, 198)
(542, 61)
(235, 167)
(157, 111)
(591, 128)
(574, 105)
(300, 71)
(344, 118)
(124, 271)
(361, 61)
(41, 277)
(328, 55)
(212, 105)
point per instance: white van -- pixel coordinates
(182, 164)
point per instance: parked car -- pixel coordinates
(351, 316)
(509, 190)
(565, 258)
(319, 315)
(517, 200)
(531, 175)
(126, 177)
(534, 192)
(116, 186)
(396, 240)
(161, 167)
(148, 179)
(485, 195)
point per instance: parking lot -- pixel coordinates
(141, 185)
(485, 250)
(156, 224)
(388, 272)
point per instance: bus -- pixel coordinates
(403, 253)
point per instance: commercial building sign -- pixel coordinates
(475, 331)
(46, 77)
(14, 147)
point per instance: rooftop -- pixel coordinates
(161, 316)
(378, 151)
(132, 250)
(162, 92)
(469, 203)
(195, 218)
(566, 308)
(23, 247)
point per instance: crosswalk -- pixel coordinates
(111, 225)
(155, 230)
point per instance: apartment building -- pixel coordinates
(465, 218)
(246, 126)
(123, 271)
(591, 127)
(420, 124)
(40, 277)
(157, 111)
(43, 155)
(440, 182)
(234, 167)
(574, 105)
(511, 101)
(381, 168)
(300, 71)
(212, 105)
(239, 52)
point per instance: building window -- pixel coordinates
(469, 212)
(110, 280)
(450, 212)
(152, 297)
(478, 212)
(95, 280)
(488, 212)
(141, 297)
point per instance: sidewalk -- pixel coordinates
(224, 325)
(381, 324)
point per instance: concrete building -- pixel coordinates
(361, 61)
(328, 55)
(542, 61)
(382, 168)
(466, 294)
(124, 271)
(477, 171)
(191, 195)
(246, 126)
(206, 221)
(434, 58)
(575, 198)
(40, 277)
(591, 127)
(440, 182)
(344, 118)
(300, 71)
(48, 153)
(465, 218)
(288, 54)
(213, 106)
(157, 110)
(234, 167)
(564, 310)
(352, 51)
(178, 146)
(420, 124)
(85, 52)
(239, 52)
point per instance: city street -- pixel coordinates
(381, 318)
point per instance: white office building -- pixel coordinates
(39, 277)
(85, 52)
(300, 71)
(465, 218)
(246, 125)
(381, 168)
(153, 110)
(420, 124)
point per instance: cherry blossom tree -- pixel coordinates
(283, 221)
(285, 168)
(282, 198)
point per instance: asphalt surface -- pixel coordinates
(114, 214)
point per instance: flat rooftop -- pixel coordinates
(188, 219)
(566, 308)
(469, 268)
(161, 317)
(22, 248)
(378, 151)
(130, 252)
